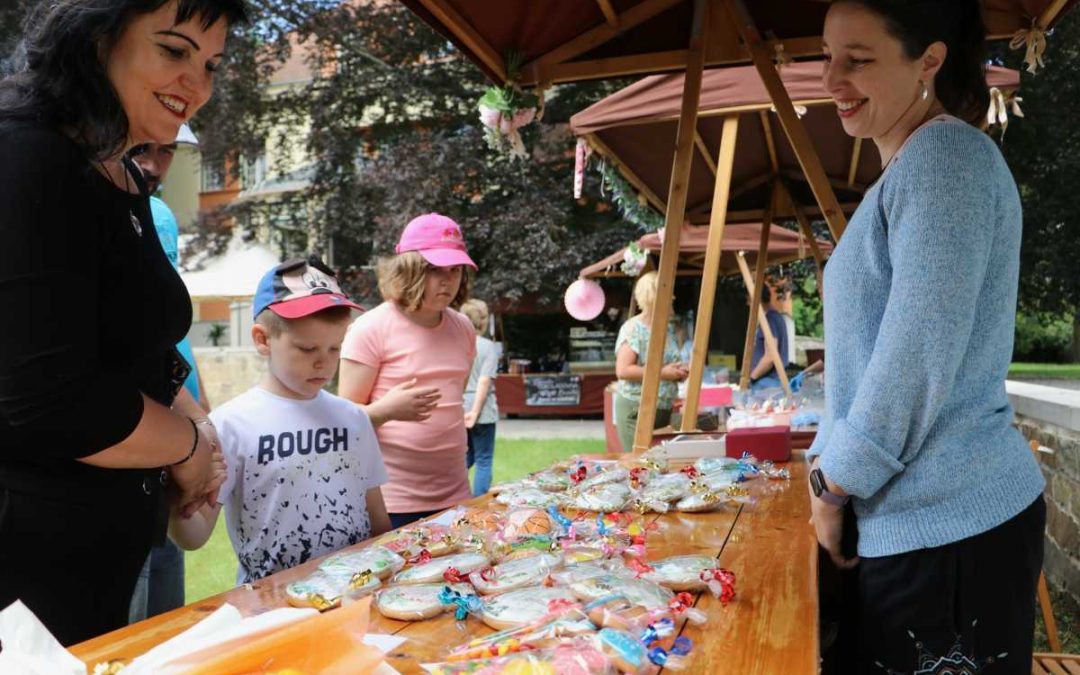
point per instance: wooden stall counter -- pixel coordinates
(552, 394)
(770, 627)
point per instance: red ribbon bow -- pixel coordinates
(423, 557)
(681, 602)
(453, 575)
(721, 582)
(579, 475)
(639, 567)
(690, 471)
(636, 474)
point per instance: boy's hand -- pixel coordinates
(408, 403)
(470, 419)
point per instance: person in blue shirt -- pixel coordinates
(763, 373)
(160, 586)
(920, 314)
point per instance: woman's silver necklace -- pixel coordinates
(135, 223)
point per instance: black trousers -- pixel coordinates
(74, 563)
(964, 608)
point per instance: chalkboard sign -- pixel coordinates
(553, 390)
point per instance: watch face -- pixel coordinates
(816, 482)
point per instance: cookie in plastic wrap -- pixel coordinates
(415, 602)
(523, 606)
(453, 568)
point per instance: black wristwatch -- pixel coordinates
(821, 490)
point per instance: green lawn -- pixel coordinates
(212, 569)
(1045, 371)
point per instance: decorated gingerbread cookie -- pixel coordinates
(681, 572)
(415, 602)
(324, 589)
(625, 651)
(530, 497)
(446, 568)
(379, 560)
(603, 498)
(638, 591)
(515, 574)
(517, 608)
(521, 523)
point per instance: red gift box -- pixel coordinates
(764, 443)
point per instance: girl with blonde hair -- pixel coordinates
(406, 363)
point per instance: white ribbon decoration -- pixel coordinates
(1034, 40)
(1001, 104)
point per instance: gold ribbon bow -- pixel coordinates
(1034, 39)
(1001, 104)
(359, 580)
(782, 58)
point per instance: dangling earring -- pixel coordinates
(925, 92)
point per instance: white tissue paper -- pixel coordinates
(29, 647)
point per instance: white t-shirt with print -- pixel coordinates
(298, 474)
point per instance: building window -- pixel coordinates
(213, 175)
(253, 171)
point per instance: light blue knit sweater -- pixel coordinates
(920, 302)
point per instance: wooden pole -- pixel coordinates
(853, 171)
(755, 291)
(793, 126)
(718, 220)
(808, 232)
(676, 212)
(771, 350)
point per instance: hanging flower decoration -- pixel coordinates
(634, 259)
(505, 110)
(1001, 104)
(634, 208)
(1033, 40)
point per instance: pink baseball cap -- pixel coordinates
(437, 238)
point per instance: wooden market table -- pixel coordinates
(771, 626)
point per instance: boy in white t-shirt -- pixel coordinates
(303, 466)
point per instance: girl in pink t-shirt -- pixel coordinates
(407, 362)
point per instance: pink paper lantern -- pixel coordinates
(584, 299)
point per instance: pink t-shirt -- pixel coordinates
(425, 460)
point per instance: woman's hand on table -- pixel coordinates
(828, 522)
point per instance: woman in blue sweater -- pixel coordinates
(919, 313)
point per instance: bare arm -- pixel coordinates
(627, 367)
(380, 521)
(405, 402)
(483, 388)
(162, 437)
(192, 533)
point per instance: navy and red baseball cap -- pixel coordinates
(298, 288)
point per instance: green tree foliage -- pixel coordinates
(1043, 150)
(390, 122)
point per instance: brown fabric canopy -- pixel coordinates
(636, 126)
(642, 36)
(784, 247)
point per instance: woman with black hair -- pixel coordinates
(919, 310)
(91, 429)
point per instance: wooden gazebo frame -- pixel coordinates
(720, 32)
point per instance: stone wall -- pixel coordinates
(227, 372)
(1051, 417)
